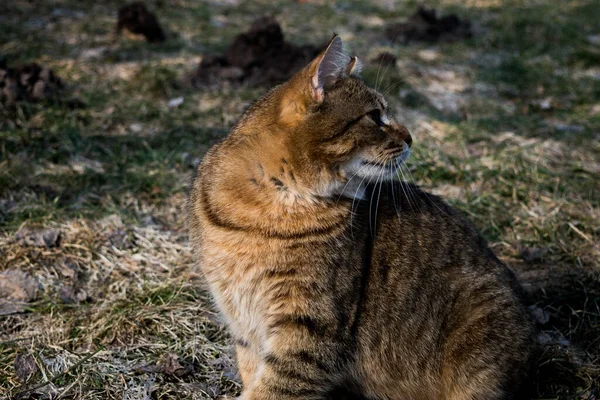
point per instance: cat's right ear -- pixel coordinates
(330, 65)
(309, 85)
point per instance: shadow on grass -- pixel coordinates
(540, 45)
(70, 173)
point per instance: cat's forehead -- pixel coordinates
(355, 90)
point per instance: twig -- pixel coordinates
(583, 235)
(8, 342)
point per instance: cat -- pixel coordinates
(333, 286)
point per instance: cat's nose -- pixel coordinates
(401, 134)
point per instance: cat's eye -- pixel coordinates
(375, 115)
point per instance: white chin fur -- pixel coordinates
(360, 174)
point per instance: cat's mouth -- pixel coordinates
(390, 165)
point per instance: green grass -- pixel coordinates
(505, 126)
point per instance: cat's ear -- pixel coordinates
(354, 66)
(328, 67)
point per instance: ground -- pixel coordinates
(106, 301)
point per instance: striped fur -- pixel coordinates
(375, 292)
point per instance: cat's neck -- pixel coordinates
(264, 190)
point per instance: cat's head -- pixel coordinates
(335, 128)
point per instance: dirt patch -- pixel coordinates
(260, 56)
(426, 26)
(29, 82)
(136, 18)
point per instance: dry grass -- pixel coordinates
(506, 127)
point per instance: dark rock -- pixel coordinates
(136, 18)
(260, 56)
(426, 26)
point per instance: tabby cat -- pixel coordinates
(336, 286)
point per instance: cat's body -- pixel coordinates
(381, 291)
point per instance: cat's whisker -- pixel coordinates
(410, 180)
(372, 227)
(371, 205)
(409, 189)
(356, 194)
(348, 182)
(432, 202)
(402, 186)
(384, 71)
(388, 163)
(352, 211)
(390, 87)
(377, 78)
(396, 206)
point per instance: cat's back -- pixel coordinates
(446, 299)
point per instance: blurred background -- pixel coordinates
(106, 109)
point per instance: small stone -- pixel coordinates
(545, 104)
(176, 102)
(67, 13)
(93, 53)
(569, 128)
(11, 307)
(540, 316)
(594, 39)
(136, 127)
(25, 367)
(532, 254)
(428, 55)
(18, 285)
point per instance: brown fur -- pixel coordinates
(381, 291)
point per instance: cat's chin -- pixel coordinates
(356, 188)
(364, 172)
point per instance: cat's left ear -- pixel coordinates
(354, 66)
(326, 69)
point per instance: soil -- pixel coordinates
(426, 26)
(30, 82)
(260, 56)
(136, 18)
(385, 58)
